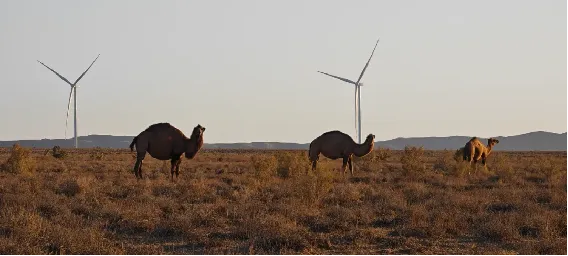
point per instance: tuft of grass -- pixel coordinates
(97, 154)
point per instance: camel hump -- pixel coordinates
(164, 127)
(159, 126)
(332, 133)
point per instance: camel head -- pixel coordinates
(491, 142)
(198, 130)
(195, 141)
(370, 138)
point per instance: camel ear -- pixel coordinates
(496, 141)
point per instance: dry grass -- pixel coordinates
(270, 202)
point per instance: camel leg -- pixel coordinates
(475, 163)
(314, 165)
(177, 167)
(350, 162)
(314, 161)
(484, 162)
(140, 169)
(173, 162)
(344, 166)
(138, 165)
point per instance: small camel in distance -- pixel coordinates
(335, 145)
(165, 142)
(475, 150)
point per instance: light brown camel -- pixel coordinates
(165, 142)
(335, 144)
(475, 150)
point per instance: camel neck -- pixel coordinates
(489, 148)
(361, 150)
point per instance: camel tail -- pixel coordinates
(133, 143)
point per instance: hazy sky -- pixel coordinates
(246, 70)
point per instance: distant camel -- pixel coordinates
(475, 150)
(165, 142)
(335, 144)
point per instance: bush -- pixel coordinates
(458, 155)
(264, 165)
(413, 159)
(20, 160)
(445, 163)
(383, 154)
(69, 188)
(292, 164)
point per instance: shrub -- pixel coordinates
(69, 188)
(383, 154)
(292, 164)
(20, 160)
(264, 165)
(458, 155)
(313, 187)
(500, 165)
(445, 163)
(413, 159)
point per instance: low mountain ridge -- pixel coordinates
(532, 141)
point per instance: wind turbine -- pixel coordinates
(74, 93)
(358, 85)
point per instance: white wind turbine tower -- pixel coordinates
(74, 93)
(358, 85)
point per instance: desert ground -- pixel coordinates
(88, 201)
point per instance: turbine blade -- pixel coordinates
(366, 65)
(87, 69)
(340, 78)
(60, 76)
(68, 104)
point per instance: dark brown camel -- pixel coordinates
(474, 150)
(165, 142)
(335, 145)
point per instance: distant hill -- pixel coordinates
(533, 141)
(537, 141)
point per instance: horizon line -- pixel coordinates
(71, 139)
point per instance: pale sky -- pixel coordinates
(247, 70)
